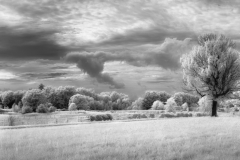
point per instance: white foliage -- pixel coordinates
(205, 104)
(170, 105)
(157, 105)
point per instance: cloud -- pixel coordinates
(166, 55)
(43, 75)
(16, 44)
(93, 65)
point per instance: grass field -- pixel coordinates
(168, 139)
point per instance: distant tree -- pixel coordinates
(152, 96)
(212, 68)
(82, 102)
(34, 98)
(41, 86)
(7, 98)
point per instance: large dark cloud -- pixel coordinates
(93, 65)
(166, 55)
(16, 44)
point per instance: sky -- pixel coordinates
(129, 46)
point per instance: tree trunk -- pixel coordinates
(214, 108)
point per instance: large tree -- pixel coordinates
(212, 68)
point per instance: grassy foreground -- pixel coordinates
(168, 139)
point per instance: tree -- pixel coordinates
(34, 98)
(41, 86)
(82, 102)
(152, 96)
(213, 68)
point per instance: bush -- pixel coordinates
(34, 98)
(198, 114)
(157, 105)
(152, 116)
(72, 107)
(42, 109)
(101, 117)
(16, 108)
(136, 116)
(151, 96)
(20, 104)
(205, 104)
(26, 109)
(185, 107)
(98, 118)
(82, 102)
(170, 106)
(92, 118)
(143, 116)
(110, 117)
(52, 109)
(194, 107)
(105, 117)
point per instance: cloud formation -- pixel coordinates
(16, 44)
(166, 55)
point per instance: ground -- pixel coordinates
(167, 139)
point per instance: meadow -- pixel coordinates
(195, 138)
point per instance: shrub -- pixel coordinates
(52, 109)
(110, 117)
(157, 105)
(81, 101)
(205, 104)
(72, 107)
(170, 106)
(20, 104)
(143, 116)
(26, 109)
(162, 116)
(92, 118)
(194, 107)
(105, 117)
(16, 108)
(98, 118)
(151, 96)
(152, 116)
(42, 109)
(33, 98)
(169, 115)
(136, 116)
(185, 107)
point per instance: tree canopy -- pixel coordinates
(212, 67)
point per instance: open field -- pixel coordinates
(171, 139)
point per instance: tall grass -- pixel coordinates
(168, 139)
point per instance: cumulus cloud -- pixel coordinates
(166, 55)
